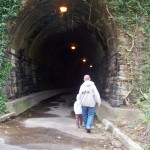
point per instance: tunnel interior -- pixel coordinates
(41, 44)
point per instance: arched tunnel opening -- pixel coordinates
(41, 51)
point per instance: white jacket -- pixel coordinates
(77, 107)
(89, 95)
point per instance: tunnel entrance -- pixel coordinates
(41, 51)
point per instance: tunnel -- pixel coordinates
(41, 53)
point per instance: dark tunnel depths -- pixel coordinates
(58, 65)
(65, 66)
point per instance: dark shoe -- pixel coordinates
(88, 131)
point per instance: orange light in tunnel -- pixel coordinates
(73, 47)
(63, 9)
(84, 60)
(91, 66)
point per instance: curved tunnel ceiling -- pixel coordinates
(46, 35)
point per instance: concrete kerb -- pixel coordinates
(124, 139)
(17, 106)
(7, 116)
(106, 111)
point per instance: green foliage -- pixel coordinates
(133, 15)
(145, 107)
(134, 137)
(3, 108)
(143, 83)
(129, 12)
(139, 104)
(8, 11)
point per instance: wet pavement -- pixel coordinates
(50, 125)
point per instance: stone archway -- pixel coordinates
(42, 58)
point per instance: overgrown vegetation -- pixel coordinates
(134, 18)
(8, 11)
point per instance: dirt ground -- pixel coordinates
(137, 131)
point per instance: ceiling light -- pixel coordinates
(63, 9)
(73, 47)
(91, 66)
(84, 60)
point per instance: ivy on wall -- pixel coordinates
(134, 18)
(134, 15)
(8, 11)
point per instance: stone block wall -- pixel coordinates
(25, 77)
(111, 73)
(111, 81)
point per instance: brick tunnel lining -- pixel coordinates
(41, 54)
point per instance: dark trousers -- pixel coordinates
(79, 119)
